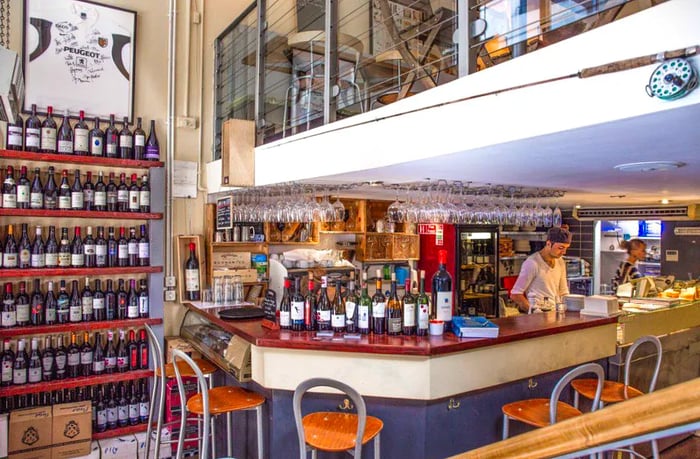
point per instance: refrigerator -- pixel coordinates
(476, 268)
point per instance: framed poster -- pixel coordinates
(404, 17)
(79, 55)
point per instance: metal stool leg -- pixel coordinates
(505, 426)
(377, 446)
(229, 446)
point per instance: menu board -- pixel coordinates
(223, 213)
(269, 306)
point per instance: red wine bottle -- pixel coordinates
(144, 258)
(132, 349)
(86, 356)
(310, 306)
(77, 258)
(110, 354)
(73, 357)
(132, 247)
(144, 304)
(98, 357)
(15, 134)
(36, 191)
(50, 305)
(77, 200)
(25, 249)
(37, 305)
(126, 141)
(297, 307)
(323, 315)
(98, 302)
(89, 252)
(100, 193)
(378, 307)
(64, 192)
(393, 310)
(111, 139)
(34, 366)
(139, 141)
(134, 194)
(122, 249)
(37, 258)
(286, 306)
(64, 250)
(61, 357)
(192, 281)
(132, 301)
(338, 310)
(408, 305)
(23, 186)
(32, 132)
(48, 360)
(144, 195)
(97, 139)
(75, 305)
(122, 194)
(86, 300)
(9, 189)
(20, 366)
(10, 256)
(51, 190)
(122, 298)
(63, 305)
(152, 145)
(122, 355)
(101, 259)
(112, 194)
(22, 305)
(88, 193)
(48, 132)
(7, 359)
(8, 317)
(65, 136)
(110, 301)
(81, 136)
(442, 292)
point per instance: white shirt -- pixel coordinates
(541, 280)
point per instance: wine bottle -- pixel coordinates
(101, 414)
(133, 350)
(338, 310)
(23, 187)
(110, 354)
(132, 247)
(422, 308)
(100, 193)
(111, 139)
(36, 191)
(101, 248)
(122, 249)
(112, 409)
(32, 132)
(310, 305)
(408, 305)
(48, 132)
(144, 304)
(37, 258)
(97, 139)
(134, 194)
(86, 301)
(297, 307)
(126, 141)
(122, 298)
(20, 366)
(61, 358)
(64, 250)
(65, 136)
(88, 193)
(144, 248)
(50, 191)
(86, 356)
(7, 360)
(10, 256)
(98, 356)
(51, 249)
(37, 311)
(73, 357)
(81, 136)
(9, 310)
(25, 249)
(442, 292)
(144, 195)
(351, 302)
(110, 301)
(112, 249)
(22, 306)
(192, 275)
(77, 257)
(139, 141)
(285, 306)
(133, 404)
(15, 134)
(77, 200)
(144, 402)
(75, 306)
(63, 304)
(64, 192)
(378, 307)
(122, 406)
(48, 361)
(89, 249)
(122, 354)
(394, 311)
(50, 306)
(364, 308)
(98, 302)
(323, 316)
(132, 301)
(122, 194)
(143, 350)
(34, 367)
(152, 145)
(112, 194)
(9, 189)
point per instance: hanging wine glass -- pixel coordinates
(394, 209)
(556, 213)
(338, 209)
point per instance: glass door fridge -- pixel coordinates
(477, 270)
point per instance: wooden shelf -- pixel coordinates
(77, 327)
(80, 214)
(81, 381)
(49, 272)
(73, 159)
(119, 431)
(237, 245)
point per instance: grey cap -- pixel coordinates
(559, 235)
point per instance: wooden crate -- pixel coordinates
(182, 252)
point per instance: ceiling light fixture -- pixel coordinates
(649, 166)
(664, 201)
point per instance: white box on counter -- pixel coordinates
(600, 305)
(124, 447)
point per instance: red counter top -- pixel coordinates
(511, 329)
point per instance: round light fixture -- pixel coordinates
(649, 166)
(664, 201)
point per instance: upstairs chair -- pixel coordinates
(333, 431)
(613, 391)
(541, 412)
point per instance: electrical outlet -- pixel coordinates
(170, 295)
(170, 281)
(189, 122)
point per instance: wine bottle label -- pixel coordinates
(297, 310)
(14, 136)
(132, 312)
(87, 306)
(378, 309)
(60, 362)
(22, 194)
(32, 137)
(98, 304)
(9, 200)
(112, 197)
(89, 249)
(25, 257)
(98, 366)
(100, 198)
(65, 146)
(143, 409)
(123, 251)
(133, 411)
(337, 320)
(36, 200)
(112, 415)
(48, 139)
(34, 375)
(77, 259)
(152, 152)
(76, 199)
(101, 253)
(123, 196)
(122, 362)
(423, 318)
(86, 357)
(96, 146)
(50, 315)
(64, 202)
(37, 260)
(47, 362)
(75, 313)
(409, 315)
(139, 140)
(132, 248)
(22, 313)
(324, 316)
(126, 141)
(144, 198)
(144, 250)
(89, 196)
(80, 139)
(9, 260)
(101, 419)
(64, 259)
(73, 359)
(6, 371)
(111, 149)
(110, 362)
(394, 325)
(444, 306)
(285, 319)
(19, 376)
(192, 280)
(350, 310)
(8, 318)
(134, 200)
(50, 202)
(362, 316)
(143, 305)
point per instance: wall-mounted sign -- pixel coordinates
(223, 213)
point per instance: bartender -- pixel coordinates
(543, 274)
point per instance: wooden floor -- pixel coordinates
(687, 449)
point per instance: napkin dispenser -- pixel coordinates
(600, 305)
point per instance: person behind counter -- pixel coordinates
(636, 250)
(543, 274)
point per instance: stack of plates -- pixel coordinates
(521, 245)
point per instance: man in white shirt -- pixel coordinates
(543, 274)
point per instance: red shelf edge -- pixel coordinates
(81, 213)
(73, 159)
(119, 431)
(73, 382)
(11, 273)
(78, 326)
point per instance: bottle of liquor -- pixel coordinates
(81, 136)
(15, 134)
(442, 292)
(133, 349)
(122, 249)
(112, 194)
(48, 360)
(22, 306)
(101, 248)
(98, 356)
(126, 141)
(286, 306)
(144, 248)
(51, 191)
(297, 307)
(21, 365)
(364, 308)
(32, 132)
(9, 189)
(310, 305)
(34, 368)
(64, 192)
(379, 307)
(86, 356)
(37, 258)
(338, 310)
(64, 250)
(408, 303)
(122, 194)
(50, 305)
(61, 358)
(323, 315)
(132, 247)
(134, 194)
(133, 399)
(25, 249)
(110, 301)
(77, 257)
(88, 193)
(144, 305)
(111, 139)
(112, 249)
(51, 249)
(23, 187)
(145, 195)
(144, 402)
(422, 308)
(7, 360)
(75, 306)
(122, 355)
(139, 141)
(97, 139)
(112, 409)
(37, 312)
(73, 357)
(36, 191)
(86, 301)
(101, 411)
(192, 275)
(65, 136)
(77, 201)
(63, 304)
(394, 311)
(110, 354)
(100, 193)
(89, 249)
(122, 406)
(98, 302)
(152, 145)
(10, 256)
(48, 132)
(143, 350)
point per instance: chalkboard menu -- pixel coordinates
(223, 213)
(269, 306)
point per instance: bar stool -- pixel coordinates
(212, 402)
(335, 432)
(541, 412)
